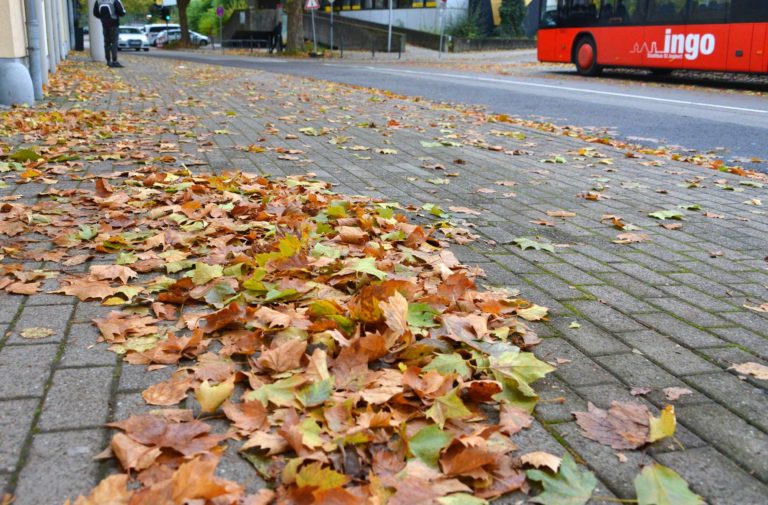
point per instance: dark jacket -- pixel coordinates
(107, 21)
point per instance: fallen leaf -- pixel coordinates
(541, 459)
(674, 393)
(750, 368)
(659, 485)
(36, 333)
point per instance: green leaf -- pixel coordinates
(568, 487)
(23, 155)
(219, 294)
(279, 393)
(326, 251)
(690, 206)
(424, 143)
(522, 367)
(526, 243)
(204, 273)
(315, 475)
(448, 406)
(461, 499)
(368, 266)
(666, 214)
(433, 209)
(659, 485)
(428, 442)
(316, 393)
(449, 363)
(88, 232)
(280, 294)
(422, 315)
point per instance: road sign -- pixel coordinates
(312, 5)
(220, 11)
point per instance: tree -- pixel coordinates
(183, 23)
(512, 13)
(295, 10)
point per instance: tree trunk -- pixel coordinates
(295, 10)
(183, 23)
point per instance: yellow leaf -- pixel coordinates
(211, 397)
(664, 425)
(533, 313)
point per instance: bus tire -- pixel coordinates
(585, 57)
(661, 72)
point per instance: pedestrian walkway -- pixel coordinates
(654, 270)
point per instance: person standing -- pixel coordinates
(110, 12)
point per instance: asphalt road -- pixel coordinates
(693, 115)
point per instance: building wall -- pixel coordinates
(426, 20)
(12, 36)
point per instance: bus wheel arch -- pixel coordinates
(585, 55)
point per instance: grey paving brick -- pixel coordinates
(9, 306)
(667, 353)
(714, 477)
(556, 400)
(749, 402)
(620, 299)
(588, 338)
(758, 323)
(29, 365)
(637, 371)
(631, 285)
(137, 378)
(579, 371)
(82, 349)
(644, 274)
(742, 442)
(745, 338)
(86, 311)
(557, 288)
(680, 331)
(15, 422)
(605, 316)
(732, 355)
(55, 459)
(572, 275)
(78, 398)
(54, 317)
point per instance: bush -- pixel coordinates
(512, 13)
(465, 27)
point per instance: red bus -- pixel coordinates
(663, 35)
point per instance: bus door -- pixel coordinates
(618, 36)
(707, 45)
(665, 32)
(749, 17)
(550, 37)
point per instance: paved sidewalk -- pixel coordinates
(666, 312)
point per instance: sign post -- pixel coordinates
(312, 6)
(389, 29)
(331, 2)
(442, 28)
(220, 15)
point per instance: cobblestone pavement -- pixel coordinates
(667, 312)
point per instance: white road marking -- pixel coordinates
(567, 88)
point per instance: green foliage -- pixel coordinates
(512, 13)
(202, 14)
(467, 26)
(569, 486)
(659, 485)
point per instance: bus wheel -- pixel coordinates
(585, 57)
(661, 72)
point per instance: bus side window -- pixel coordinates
(748, 11)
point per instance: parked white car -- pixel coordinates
(195, 38)
(131, 37)
(152, 31)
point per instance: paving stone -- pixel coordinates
(138, 378)
(59, 466)
(714, 477)
(29, 365)
(556, 400)
(559, 289)
(643, 274)
(637, 371)
(758, 323)
(604, 316)
(680, 331)
(728, 356)
(86, 311)
(78, 398)
(749, 402)
(667, 353)
(82, 349)
(15, 422)
(742, 442)
(579, 371)
(9, 306)
(745, 338)
(619, 299)
(588, 338)
(572, 275)
(54, 317)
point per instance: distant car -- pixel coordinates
(152, 31)
(132, 37)
(195, 38)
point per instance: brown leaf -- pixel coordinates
(560, 213)
(675, 393)
(247, 416)
(754, 369)
(622, 426)
(631, 238)
(131, 454)
(169, 392)
(111, 272)
(541, 459)
(465, 210)
(514, 419)
(23, 288)
(283, 357)
(86, 289)
(113, 490)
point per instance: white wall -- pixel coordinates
(425, 20)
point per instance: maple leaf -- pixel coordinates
(526, 243)
(659, 485)
(541, 459)
(133, 455)
(428, 442)
(568, 487)
(448, 406)
(86, 289)
(754, 369)
(667, 214)
(113, 490)
(110, 272)
(211, 397)
(622, 426)
(285, 356)
(512, 419)
(168, 392)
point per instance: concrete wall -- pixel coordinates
(12, 40)
(426, 20)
